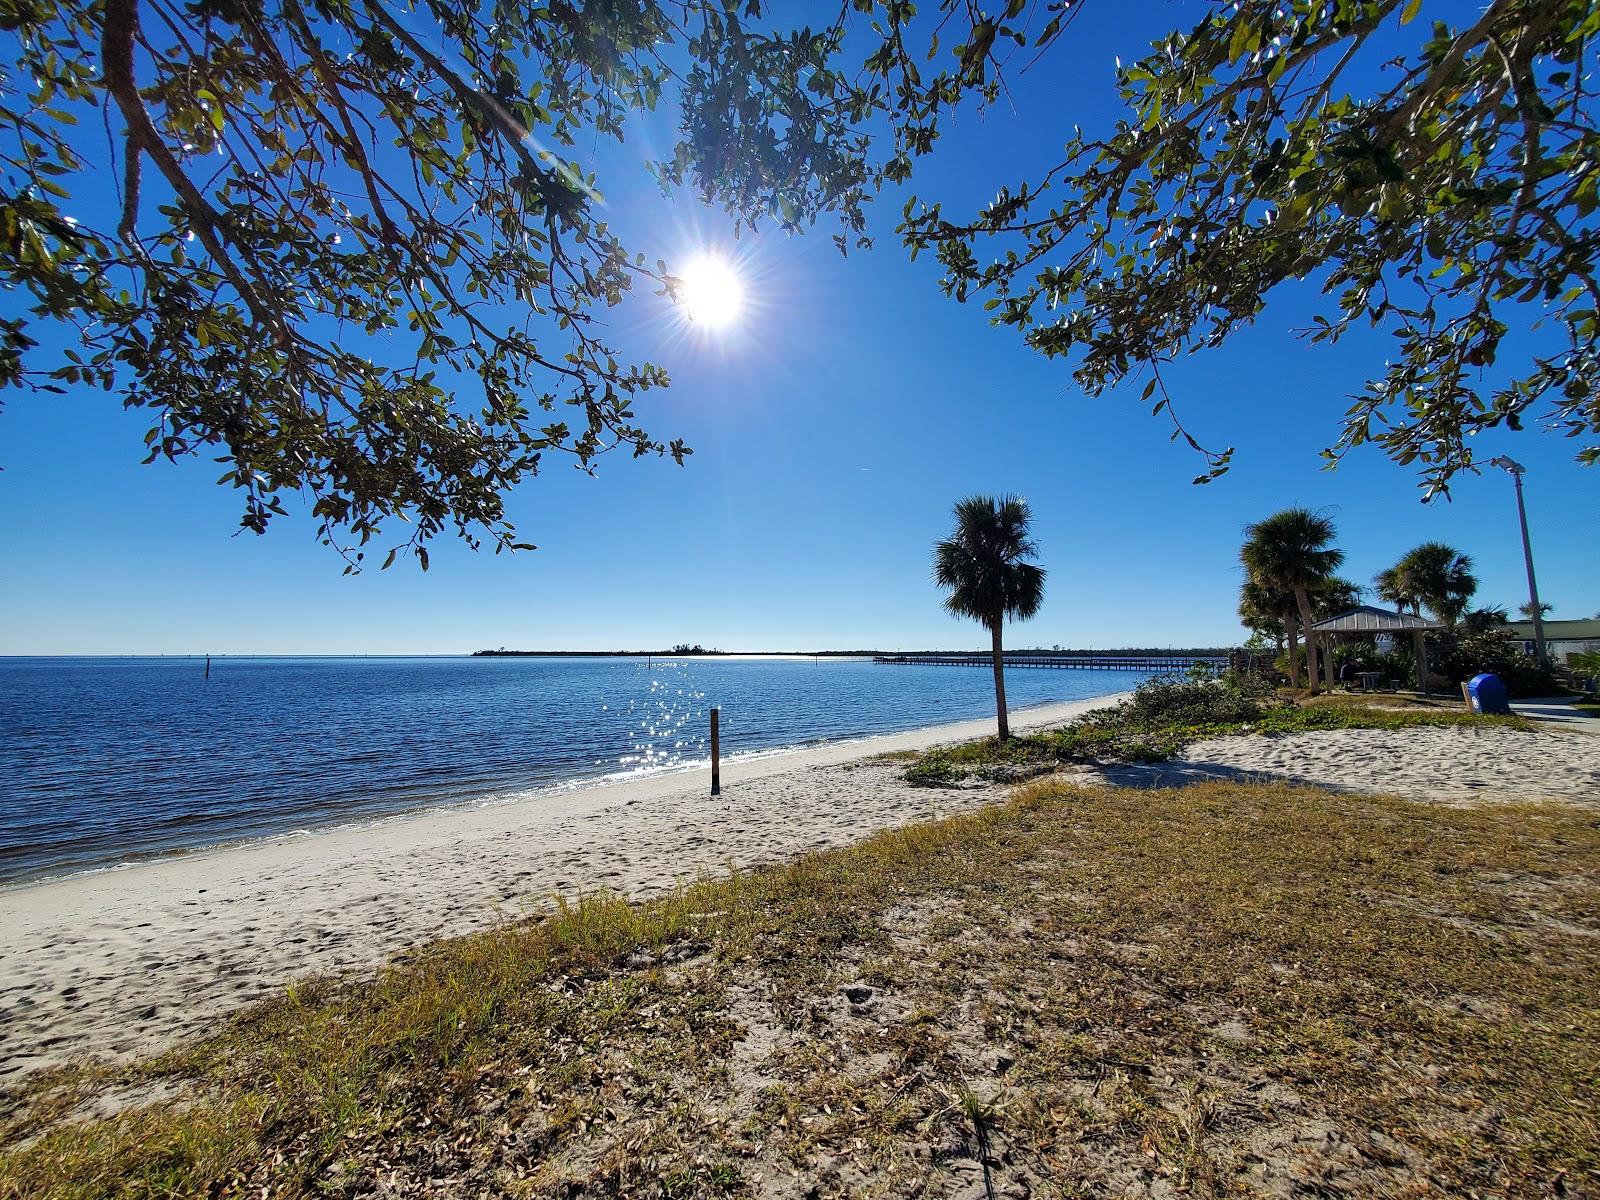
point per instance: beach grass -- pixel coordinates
(1221, 988)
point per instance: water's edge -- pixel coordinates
(563, 788)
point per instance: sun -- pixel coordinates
(712, 294)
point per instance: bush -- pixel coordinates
(933, 769)
(1585, 668)
(1170, 701)
(1458, 655)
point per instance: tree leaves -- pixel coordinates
(352, 255)
(1447, 198)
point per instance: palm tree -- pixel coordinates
(1527, 610)
(984, 566)
(1258, 614)
(1480, 620)
(1334, 595)
(1440, 578)
(1290, 552)
(1269, 610)
(1393, 587)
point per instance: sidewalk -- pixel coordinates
(1558, 710)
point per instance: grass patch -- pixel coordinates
(1401, 700)
(1165, 715)
(1229, 987)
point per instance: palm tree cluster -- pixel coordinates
(1288, 558)
(1290, 581)
(984, 565)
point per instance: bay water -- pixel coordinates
(106, 761)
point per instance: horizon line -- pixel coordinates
(616, 653)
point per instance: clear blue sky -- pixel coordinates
(832, 431)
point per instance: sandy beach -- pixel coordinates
(122, 962)
(1452, 765)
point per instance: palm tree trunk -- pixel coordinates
(999, 684)
(1291, 639)
(1303, 599)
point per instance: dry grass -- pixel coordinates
(1413, 701)
(1227, 988)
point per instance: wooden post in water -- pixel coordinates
(716, 754)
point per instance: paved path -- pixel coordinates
(1559, 710)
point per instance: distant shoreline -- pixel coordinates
(200, 655)
(1121, 652)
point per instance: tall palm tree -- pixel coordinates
(1440, 578)
(1291, 551)
(983, 564)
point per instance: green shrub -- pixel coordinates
(1147, 750)
(933, 769)
(1585, 664)
(1459, 654)
(1170, 701)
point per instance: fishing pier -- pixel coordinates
(1150, 664)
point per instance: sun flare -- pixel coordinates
(712, 294)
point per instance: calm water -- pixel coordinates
(107, 760)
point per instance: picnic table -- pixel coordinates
(1371, 681)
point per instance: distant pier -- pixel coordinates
(1156, 664)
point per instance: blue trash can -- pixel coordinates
(1488, 695)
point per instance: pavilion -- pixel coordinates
(1364, 620)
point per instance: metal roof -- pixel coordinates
(1559, 631)
(1367, 619)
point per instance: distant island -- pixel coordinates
(685, 651)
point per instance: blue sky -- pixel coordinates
(832, 431)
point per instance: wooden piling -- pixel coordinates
(716, 753)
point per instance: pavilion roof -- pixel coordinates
(1367, 619)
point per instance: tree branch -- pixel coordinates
(120, 29)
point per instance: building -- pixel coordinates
(1561, 638)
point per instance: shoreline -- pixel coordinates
(121, 962)
(965, 730)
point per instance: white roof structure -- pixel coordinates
(1367, 619)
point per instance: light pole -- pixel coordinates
(1516, 469)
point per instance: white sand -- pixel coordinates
(1447, 764)
(121, 962)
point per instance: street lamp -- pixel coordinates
(1516, 469)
